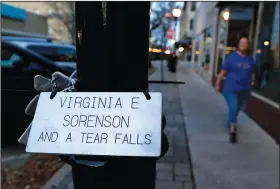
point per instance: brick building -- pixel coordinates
(18, 20)
(60, 17)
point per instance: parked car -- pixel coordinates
(61, 54)
(19, 66)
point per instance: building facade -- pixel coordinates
(60, 17)
(203, 36)
(15, 19)
(187, 25)
(217, 28)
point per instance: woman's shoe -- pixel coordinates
(233, 134)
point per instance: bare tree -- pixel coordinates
(159, 22)
(65, 12)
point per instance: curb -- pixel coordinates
(15, 158)
(151, 71)
(58, 177)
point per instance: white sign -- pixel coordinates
(97, 123)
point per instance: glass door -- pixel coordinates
(222, 39)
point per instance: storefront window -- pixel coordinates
(196, 52)
(193, 5)
(221, 45)
(191, 24)
(267, 57)
(207, 44)
(235, 22)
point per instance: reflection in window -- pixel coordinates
(8, 59)
(56, 54)
(49, 52)
(66, 55)
(193, 6)
(267, 58)
(221, 47)
(208, 38)
(191, 24)
(196, 52)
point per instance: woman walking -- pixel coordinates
(239, 70)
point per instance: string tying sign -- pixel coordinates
(90, 123)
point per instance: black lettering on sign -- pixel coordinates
(100, 121)
(48, 137)
(130, 139)
(147, 137)
(134, 102)
(41, 137)
(96, 139)
(69, 102)
(65, 119)
(83, 119)
(139, 143)
(69, 138)
(119, 103)
(86, 103)
(117, 137)
(83, 137)
(101, 102)
(125, 139)
(115, 123)
(77, 120)
(123, 120)
(78, 100)
(62, 104)
(93, 102)
(110, 102)
(104, 136)
(107, 121)
(90, 120)
(89, 137)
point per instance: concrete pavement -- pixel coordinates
(174, 169)
(251, 163)
(200, 156)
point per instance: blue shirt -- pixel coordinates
(239, 72)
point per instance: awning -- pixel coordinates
(183, 43)
(12, 12)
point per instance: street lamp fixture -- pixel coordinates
(167, 52)
(181, 49)
(266, 43)
(226, 15)
(176, 12)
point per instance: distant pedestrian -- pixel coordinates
(239, 70)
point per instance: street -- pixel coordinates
(200, 155)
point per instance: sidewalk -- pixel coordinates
(252, 163)
(195, 125)
(173, 170)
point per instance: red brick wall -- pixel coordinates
(266, 116)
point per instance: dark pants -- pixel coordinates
(172, 63)
(236, 101)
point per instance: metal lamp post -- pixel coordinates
(106, 63)
(176, 12)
